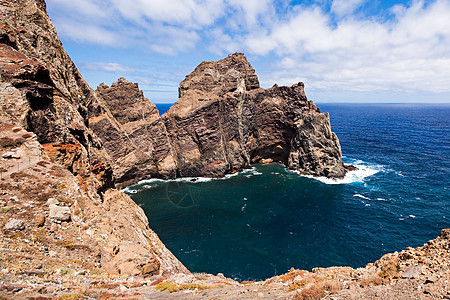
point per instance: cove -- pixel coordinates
(263, 221)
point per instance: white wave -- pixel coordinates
(367, 204)
(352, 176)
(146, 182)
(412, 216)
(361, 196)
(381, 199)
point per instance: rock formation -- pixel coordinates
(222, 122)
(56, 178)
(65, 231)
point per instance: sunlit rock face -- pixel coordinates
(222, 122)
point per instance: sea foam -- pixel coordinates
(147, 182)
(352, 176)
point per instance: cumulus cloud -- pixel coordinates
(345, 7)
(411, 51)
(330, 47)
(110, 67)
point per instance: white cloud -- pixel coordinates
(110, 67)
(81, 7)
(345, 7)
(89, 33)
(411, 52)
(189, 13)
(251, 10)
(333, 49)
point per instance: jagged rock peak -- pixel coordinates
(121, 81)
(102, 86)
(220, 77)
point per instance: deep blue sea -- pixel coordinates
(265, 220)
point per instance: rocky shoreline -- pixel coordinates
(68, 233)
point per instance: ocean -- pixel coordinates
(265, 220)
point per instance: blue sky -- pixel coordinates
(344, 50)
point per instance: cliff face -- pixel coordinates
(57, 185)
(222, 122)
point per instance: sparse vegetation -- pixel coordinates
(291, 275)
(371, 281)
(389, 270)
(172, 287)
(61, 186)
(318, 291)
(71, 297)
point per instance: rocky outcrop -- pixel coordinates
(55, 175)
(130, 128)
(222, 122)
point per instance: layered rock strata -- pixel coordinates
(222, 122)
(56, 178)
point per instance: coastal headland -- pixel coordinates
(68, 232)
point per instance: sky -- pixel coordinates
(343, 50)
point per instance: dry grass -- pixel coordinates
(389, 270)
(61, 186)
(201, 276)
(371, 281)
(172, 287)
(291, 275)
(318, 291)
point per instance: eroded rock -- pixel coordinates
(411, 272)
(222, 122)
(59, 213)
(14, 224)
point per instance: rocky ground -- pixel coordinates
(31, 270)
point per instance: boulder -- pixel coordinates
(59, 213)
(15, 225)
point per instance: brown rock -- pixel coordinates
(14, 225)
(431, 279)
(411, 272)
(129, 126)
(222, 122)
(150, 269)
(39, 220)
(46, 112)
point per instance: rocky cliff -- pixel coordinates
(222, 122)
(67, 233)
(57, 195)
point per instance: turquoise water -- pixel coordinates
(265, 220)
